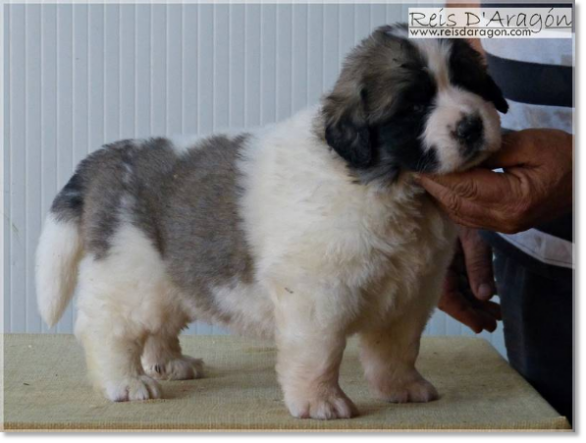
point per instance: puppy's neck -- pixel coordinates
(382, 180)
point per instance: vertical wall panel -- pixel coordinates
(205, 71)
(17, 176)
(284, 61)
(252, 71)
(393, 11)
(174, 104)
(221, 48)
(378, 15)
(299, 52)
(361, 21)
(112, 73)
(331, 45)
(142, 77)
(33, 156)
(237, 61)
(268, 57)
(78, 76)
(158, 67)
(346, 32)
(96, 77)
(315, 55)
(190, 64)
(80, 83)
(7, 164)
(128, 67)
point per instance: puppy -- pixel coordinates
(307, 231)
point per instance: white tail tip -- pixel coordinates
(58, 255)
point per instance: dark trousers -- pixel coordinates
(538, 326)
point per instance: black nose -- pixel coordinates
(469, 130)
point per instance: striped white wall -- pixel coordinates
(77, 76)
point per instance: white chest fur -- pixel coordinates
(317, 234)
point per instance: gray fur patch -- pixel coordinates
(68, 205)
(205, 242)
(124, 172)
(187, 204)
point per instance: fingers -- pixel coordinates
(458, 307)
(478, 259)
(478, 198)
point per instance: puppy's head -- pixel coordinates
(412, 104)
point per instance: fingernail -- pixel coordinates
(484, 291)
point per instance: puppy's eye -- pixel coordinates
(417, 108)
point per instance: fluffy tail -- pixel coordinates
(59, 253)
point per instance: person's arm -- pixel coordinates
(535, 187)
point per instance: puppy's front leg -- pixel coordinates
(308, 362)
(388, 356)
(388, 352)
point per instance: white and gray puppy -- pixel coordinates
(309, 230)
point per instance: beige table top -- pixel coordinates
(46, 389)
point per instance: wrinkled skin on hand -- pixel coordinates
(535, 187)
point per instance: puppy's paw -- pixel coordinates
(142, 387)
(416, 391)
(183, 368)
(326, 407)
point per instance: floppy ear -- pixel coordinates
(346, 125)
(495, 95)
(468, 69)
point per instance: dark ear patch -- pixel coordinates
(347, 130)
(351, 141)
(467, 70)
(495, 95)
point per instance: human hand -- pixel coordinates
(536, 185)
(469, 284)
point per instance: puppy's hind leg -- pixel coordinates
(162, 359)
(113, 358)
(113, 314)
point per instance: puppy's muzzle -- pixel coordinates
(470, 134)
